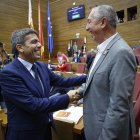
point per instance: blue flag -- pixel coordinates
(50, 37)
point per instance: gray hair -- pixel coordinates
(18, 37)
(108, 12)
(92, 51)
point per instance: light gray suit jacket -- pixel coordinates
(107, 96)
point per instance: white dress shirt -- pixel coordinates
(27, 65)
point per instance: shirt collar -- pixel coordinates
(101, 47)
(27, 64)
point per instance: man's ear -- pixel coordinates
(104, 22)
(20, 48)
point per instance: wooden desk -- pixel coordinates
(77, 129)
(68, 74)
(74, 67)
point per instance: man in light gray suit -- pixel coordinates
(107, 94)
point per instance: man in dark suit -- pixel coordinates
(84, 48)
(107, 95)
(51, 66)
(26, 86)
(76, 58)
(90, 58)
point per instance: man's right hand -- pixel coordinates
(73, 95)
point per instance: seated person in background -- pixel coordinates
(62, 67)
(76, 59)
(6, 61)
(8, 58)
(79, 53)
(62, 57)
(51, 66)
(90, 57)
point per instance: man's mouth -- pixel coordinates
(38, 52)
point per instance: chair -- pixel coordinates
(136, 101)
(69, 67)
(137, 53)
(137, 113)
(64, 130)
(81, 68)
(136, 90)
(83, 59)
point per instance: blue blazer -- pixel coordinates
(29, 110)
(76, 59)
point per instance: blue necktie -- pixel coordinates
(34, 68)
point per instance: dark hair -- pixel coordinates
(18, 37)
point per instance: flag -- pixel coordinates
(50, 37)
(41, 38)
(30, 19)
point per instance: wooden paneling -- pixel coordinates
(14, 15)
(67, 30)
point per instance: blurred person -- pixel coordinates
(62, 57)
(62, 67)
(84, 48)
(90, 58)
(75, 48)
(51, 66)
(79, 53)
(107, 94)
(70, 50)
(6, 61)
(25, 85)
(76, 58)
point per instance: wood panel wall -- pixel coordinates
(14, 15)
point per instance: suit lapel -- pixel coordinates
(95, 69)
(27, 76)
(100, 61)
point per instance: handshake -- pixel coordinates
(74, 95)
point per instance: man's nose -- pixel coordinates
(39, 45)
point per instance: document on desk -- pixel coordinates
(71, 114)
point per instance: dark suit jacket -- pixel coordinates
(76, 59)
(29, 110)
(89, 60)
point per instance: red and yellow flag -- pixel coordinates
(41, 38)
